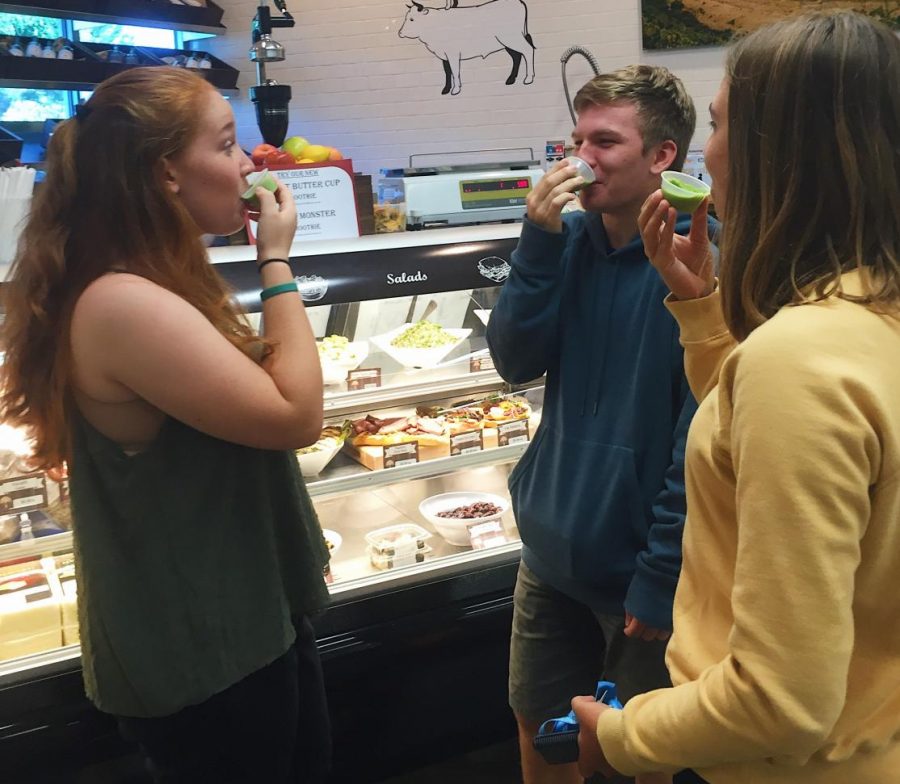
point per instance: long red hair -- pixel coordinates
(104, 207)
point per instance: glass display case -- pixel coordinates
(409, 482)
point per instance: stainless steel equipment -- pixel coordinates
(460, 194)
(271, 99)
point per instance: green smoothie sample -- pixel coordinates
(261, 179)
(683, 192)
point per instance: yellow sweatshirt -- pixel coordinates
(786, 651)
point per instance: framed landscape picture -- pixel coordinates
(677, 24)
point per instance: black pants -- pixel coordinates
(688, 777)
(270, 727)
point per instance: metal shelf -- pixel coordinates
(360, 478)
(366, 479)
(147, 14)
(416, 392)
(13, 671)
(40, 545)
(445, 567)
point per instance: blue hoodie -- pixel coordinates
(599, 494)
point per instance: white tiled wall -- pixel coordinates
(359, 87)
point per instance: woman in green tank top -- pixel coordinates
(199, 555)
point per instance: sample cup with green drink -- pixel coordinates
(683, 192)
(261, 179)
(583, 169)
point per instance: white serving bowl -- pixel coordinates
(334, 371)
(417, 357)
(334, 538)
(456, 531)
(483, 315)
(313, 463)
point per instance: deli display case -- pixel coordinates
(409, 481)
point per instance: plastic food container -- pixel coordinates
(413, 557)
(390, 217)
(398, 540)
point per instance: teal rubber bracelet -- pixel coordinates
(274, 291)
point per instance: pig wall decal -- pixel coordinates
(455, 33)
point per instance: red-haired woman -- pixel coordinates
(199, 555)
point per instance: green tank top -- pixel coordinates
(192, 559)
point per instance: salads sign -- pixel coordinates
(330, 277)
(393, 280)
(323, 195)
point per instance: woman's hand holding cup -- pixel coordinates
(277, 223)
(685, 263)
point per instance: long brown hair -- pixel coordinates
(104, 206)
(814, 166)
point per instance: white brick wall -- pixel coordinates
(359, 87)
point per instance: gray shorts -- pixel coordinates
(560, 648)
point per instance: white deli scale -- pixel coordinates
(456, 195)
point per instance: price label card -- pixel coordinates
(363, 378)
(514, 432)
(466, 442)
(486, 535)
(23, 493)
(397, 455)
(477, 364)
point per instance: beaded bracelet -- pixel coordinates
(270, 261)
(281, 288)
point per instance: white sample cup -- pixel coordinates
(583, 168)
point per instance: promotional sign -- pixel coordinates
(323, 193)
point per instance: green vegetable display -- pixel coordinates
(335, 348)
(424, 334)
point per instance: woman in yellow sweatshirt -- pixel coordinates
(786, 651)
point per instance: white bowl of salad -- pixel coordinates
(420, 345)
(314, 458)
(338, 356)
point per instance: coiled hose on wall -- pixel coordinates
(564, 59)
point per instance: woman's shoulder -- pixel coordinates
(119, 283)
(853, 335)
(124, 297)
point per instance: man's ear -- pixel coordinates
(663, 156)
(169, 175)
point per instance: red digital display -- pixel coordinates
(495, 185)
